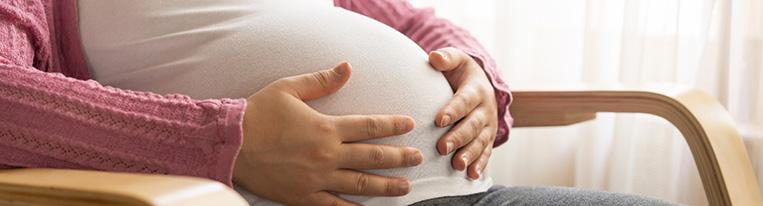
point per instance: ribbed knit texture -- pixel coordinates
(49, 120)
(60, 120)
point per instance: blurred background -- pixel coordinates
(713, 45)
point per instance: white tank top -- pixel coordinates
(233, 48)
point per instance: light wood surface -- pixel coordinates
(726, 172)
(38, 187)
(719, 153)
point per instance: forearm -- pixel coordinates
(48, 120)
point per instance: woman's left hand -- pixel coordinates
(473, 110)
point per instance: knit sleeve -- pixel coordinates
(431, 33)
(49, 120)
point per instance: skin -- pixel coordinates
(309, 157)
(473, 111)
(297, 156)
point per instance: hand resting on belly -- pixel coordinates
(237, 53)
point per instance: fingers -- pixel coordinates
(317, 84)
(325, 198)
(463, 102)
(447, 59)
(476, 169)
(359, 183)
(374, 156)
(464, 132)
(472, 151)
(362, 127)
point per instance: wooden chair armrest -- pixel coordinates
(719, 153)
(37, 187)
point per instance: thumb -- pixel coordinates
(321, 83)
(447, 59)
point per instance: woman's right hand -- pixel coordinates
(297, 156)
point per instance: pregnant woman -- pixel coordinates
(234, 48)
(255, 62)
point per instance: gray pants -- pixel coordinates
(500, 195)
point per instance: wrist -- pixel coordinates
(240, 164)
(230, 134)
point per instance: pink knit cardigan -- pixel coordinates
(52, 116)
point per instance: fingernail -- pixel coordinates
(478, 169)
(409, 125)
(445, 120)
(448, 147)
(404, 186)
(415, 157)
(444, 55)
(465, 159)
(339, 69)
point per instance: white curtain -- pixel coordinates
(714, 45)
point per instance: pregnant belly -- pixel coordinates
(235, 48)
